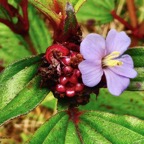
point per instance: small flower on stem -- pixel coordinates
(106, 57)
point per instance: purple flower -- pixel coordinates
(105, 57)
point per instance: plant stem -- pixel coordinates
(30, 44)
(126, 24)
(135, 30)
(132, 13)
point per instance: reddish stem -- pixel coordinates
(74, 115)
(9, 24)
(135, 31)
(121, 20)
(132, 13)
(56, 6)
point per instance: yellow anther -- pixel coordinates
(110, 61)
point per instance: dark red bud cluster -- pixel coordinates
(61, 75)
(69, 82)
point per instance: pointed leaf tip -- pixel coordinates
(69, 7)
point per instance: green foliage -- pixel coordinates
(12, 46)
(20, 89)
(39, 33)
(129, 103)
(50, 102)
(77, 4)
(93, 127)
(4, 14)
(14, 2)
(47, 8)
(137, 55)
(140, 10)
(98, 10)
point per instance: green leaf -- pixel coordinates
(77, 4)
(39, 33)
(93, 128)
(4, 14)
(14, 2)
(137, 55)
(47, 7)
(20, 89)
(140, 11)
(50, 102)
(97, 10)
(12, 46)
(128, 103)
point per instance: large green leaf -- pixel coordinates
(138, 55)
(39, 33)
(12, 46)
(20, 89)
(93, 127)
(129, 103)
(98, 10)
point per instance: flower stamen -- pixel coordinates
(111, 61)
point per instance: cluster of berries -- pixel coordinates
(61, 75)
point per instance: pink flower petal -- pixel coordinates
(127, 60)
(117, 41)
(116, 84)
(91, 73)
(126, 69)
(93, 47)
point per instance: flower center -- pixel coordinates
(111, 61)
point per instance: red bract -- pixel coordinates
(54, 50)
(22, 25)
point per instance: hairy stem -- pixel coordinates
(121, 20)
(132, 13)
